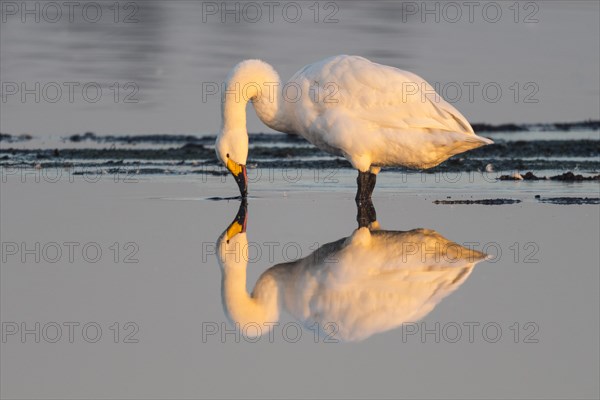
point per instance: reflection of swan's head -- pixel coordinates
(369, 282)
(232, 253)
(233, 240)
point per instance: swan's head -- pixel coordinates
(233, 153)
(250, 80)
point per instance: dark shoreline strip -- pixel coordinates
(264, 137)
(486, 202)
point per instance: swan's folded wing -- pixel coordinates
(382, 95)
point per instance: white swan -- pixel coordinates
(371, 114)
(367, 283)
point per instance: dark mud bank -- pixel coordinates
(155, 154)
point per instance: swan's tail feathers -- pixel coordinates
(465, 143)
(484, 140)
(478, 141)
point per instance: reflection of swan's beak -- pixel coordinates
(239, 223)
(239, 174)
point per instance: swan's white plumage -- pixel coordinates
(367, 283)
(372, 114)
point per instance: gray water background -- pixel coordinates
(166, 51)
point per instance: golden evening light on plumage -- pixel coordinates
(367, 283)
(373, 115)
(132, 131)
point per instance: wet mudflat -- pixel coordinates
(571, 150)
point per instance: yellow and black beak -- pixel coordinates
(239, 223)
(239, 174)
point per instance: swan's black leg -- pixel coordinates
(366, 183)
(365, 213)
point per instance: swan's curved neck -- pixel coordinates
(262, 307)
(256, 81)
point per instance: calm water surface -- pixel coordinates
(167, 51)
(134, 269)
(537, 297)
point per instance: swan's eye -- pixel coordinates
(227, 155)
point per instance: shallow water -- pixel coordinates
(545, 135)
(166, 281)
(112, 285)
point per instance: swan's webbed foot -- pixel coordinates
(365, 214)
(366, 184)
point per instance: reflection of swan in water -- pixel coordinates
(369, 282)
